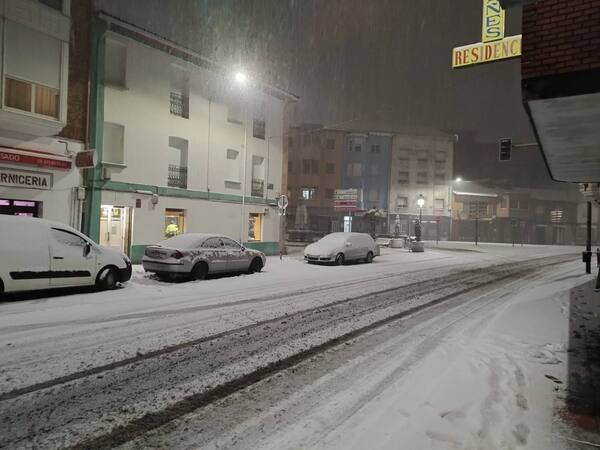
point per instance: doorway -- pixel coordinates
(115, 227)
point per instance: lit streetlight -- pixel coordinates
(420, 204)
(241, 78)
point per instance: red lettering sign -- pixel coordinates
(30, 160)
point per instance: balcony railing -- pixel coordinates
(258, 188)
(177, 176)
(179, 105)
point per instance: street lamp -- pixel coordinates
(421, 203)
(241, 79)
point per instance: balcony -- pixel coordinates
(258, 188)
(179, 105)
(177, 176)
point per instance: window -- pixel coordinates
(306, 166)
(402, 202)
(234, 113)
(233, 168)
(54, 4)
(315, 167)
(213, 243)
(403, 177)
(330, 168)
(422, 178)
(330, 144)
(177, 160)
(290, 166)
(329, 194)
(375, 148)
(423, 164)
(403, 154)
(374, 195)
(230, 243)
(115, 70)
(404, 163)
(440, 157)
(358, 148)
(477, 209)
(258, 176)
(258, 129)
(113, 150)
(174, 222)
(503, 201)
(254, 227)
(180, 92)
(354, 170)
(374, 170)
(309, 193)
(290, 141)
(438, 203)
(440, 178)
(32, 68)
(423, 154)
(67, 238)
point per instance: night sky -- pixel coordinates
(385, 62)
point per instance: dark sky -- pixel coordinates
(386, 62)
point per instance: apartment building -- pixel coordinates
(182, 146)
(38, 176)
(421, 167)
(314, 171)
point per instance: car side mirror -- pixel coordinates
(87, 249)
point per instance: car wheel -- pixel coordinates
(339, 259)
(199, 271)
(255, 266)
(369, 258)
(107, 279)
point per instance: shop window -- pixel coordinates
(174, 222)
(113, 150)
(26, 208)
(115, 70)
(255, 227)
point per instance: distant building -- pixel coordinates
(528, 216)
(421, 165)
(314, 172)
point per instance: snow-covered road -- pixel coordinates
(88, 368)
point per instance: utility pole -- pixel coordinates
(588, 244)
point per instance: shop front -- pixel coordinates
(37, 183)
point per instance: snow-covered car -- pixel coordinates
(41, 254)
(339, 248)
(195, 255)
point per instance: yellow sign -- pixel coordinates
(493, 21)
(483, 52)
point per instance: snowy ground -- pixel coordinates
(467, 373)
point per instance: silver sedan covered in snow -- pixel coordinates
(339, 248)
(196, 255)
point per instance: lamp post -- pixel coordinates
(241, 80)
(420, 204)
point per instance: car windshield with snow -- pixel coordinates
(195, 256)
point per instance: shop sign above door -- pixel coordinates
(25, 179)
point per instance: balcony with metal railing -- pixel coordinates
(258, 188)
(177, 176)
(179, 105)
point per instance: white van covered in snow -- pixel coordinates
(40, 254)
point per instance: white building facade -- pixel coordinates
(182, 147)
(37, 173)
(421, 166)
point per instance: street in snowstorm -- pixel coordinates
(300, 224)
(447, 345)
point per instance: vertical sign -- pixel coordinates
(493, 21)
